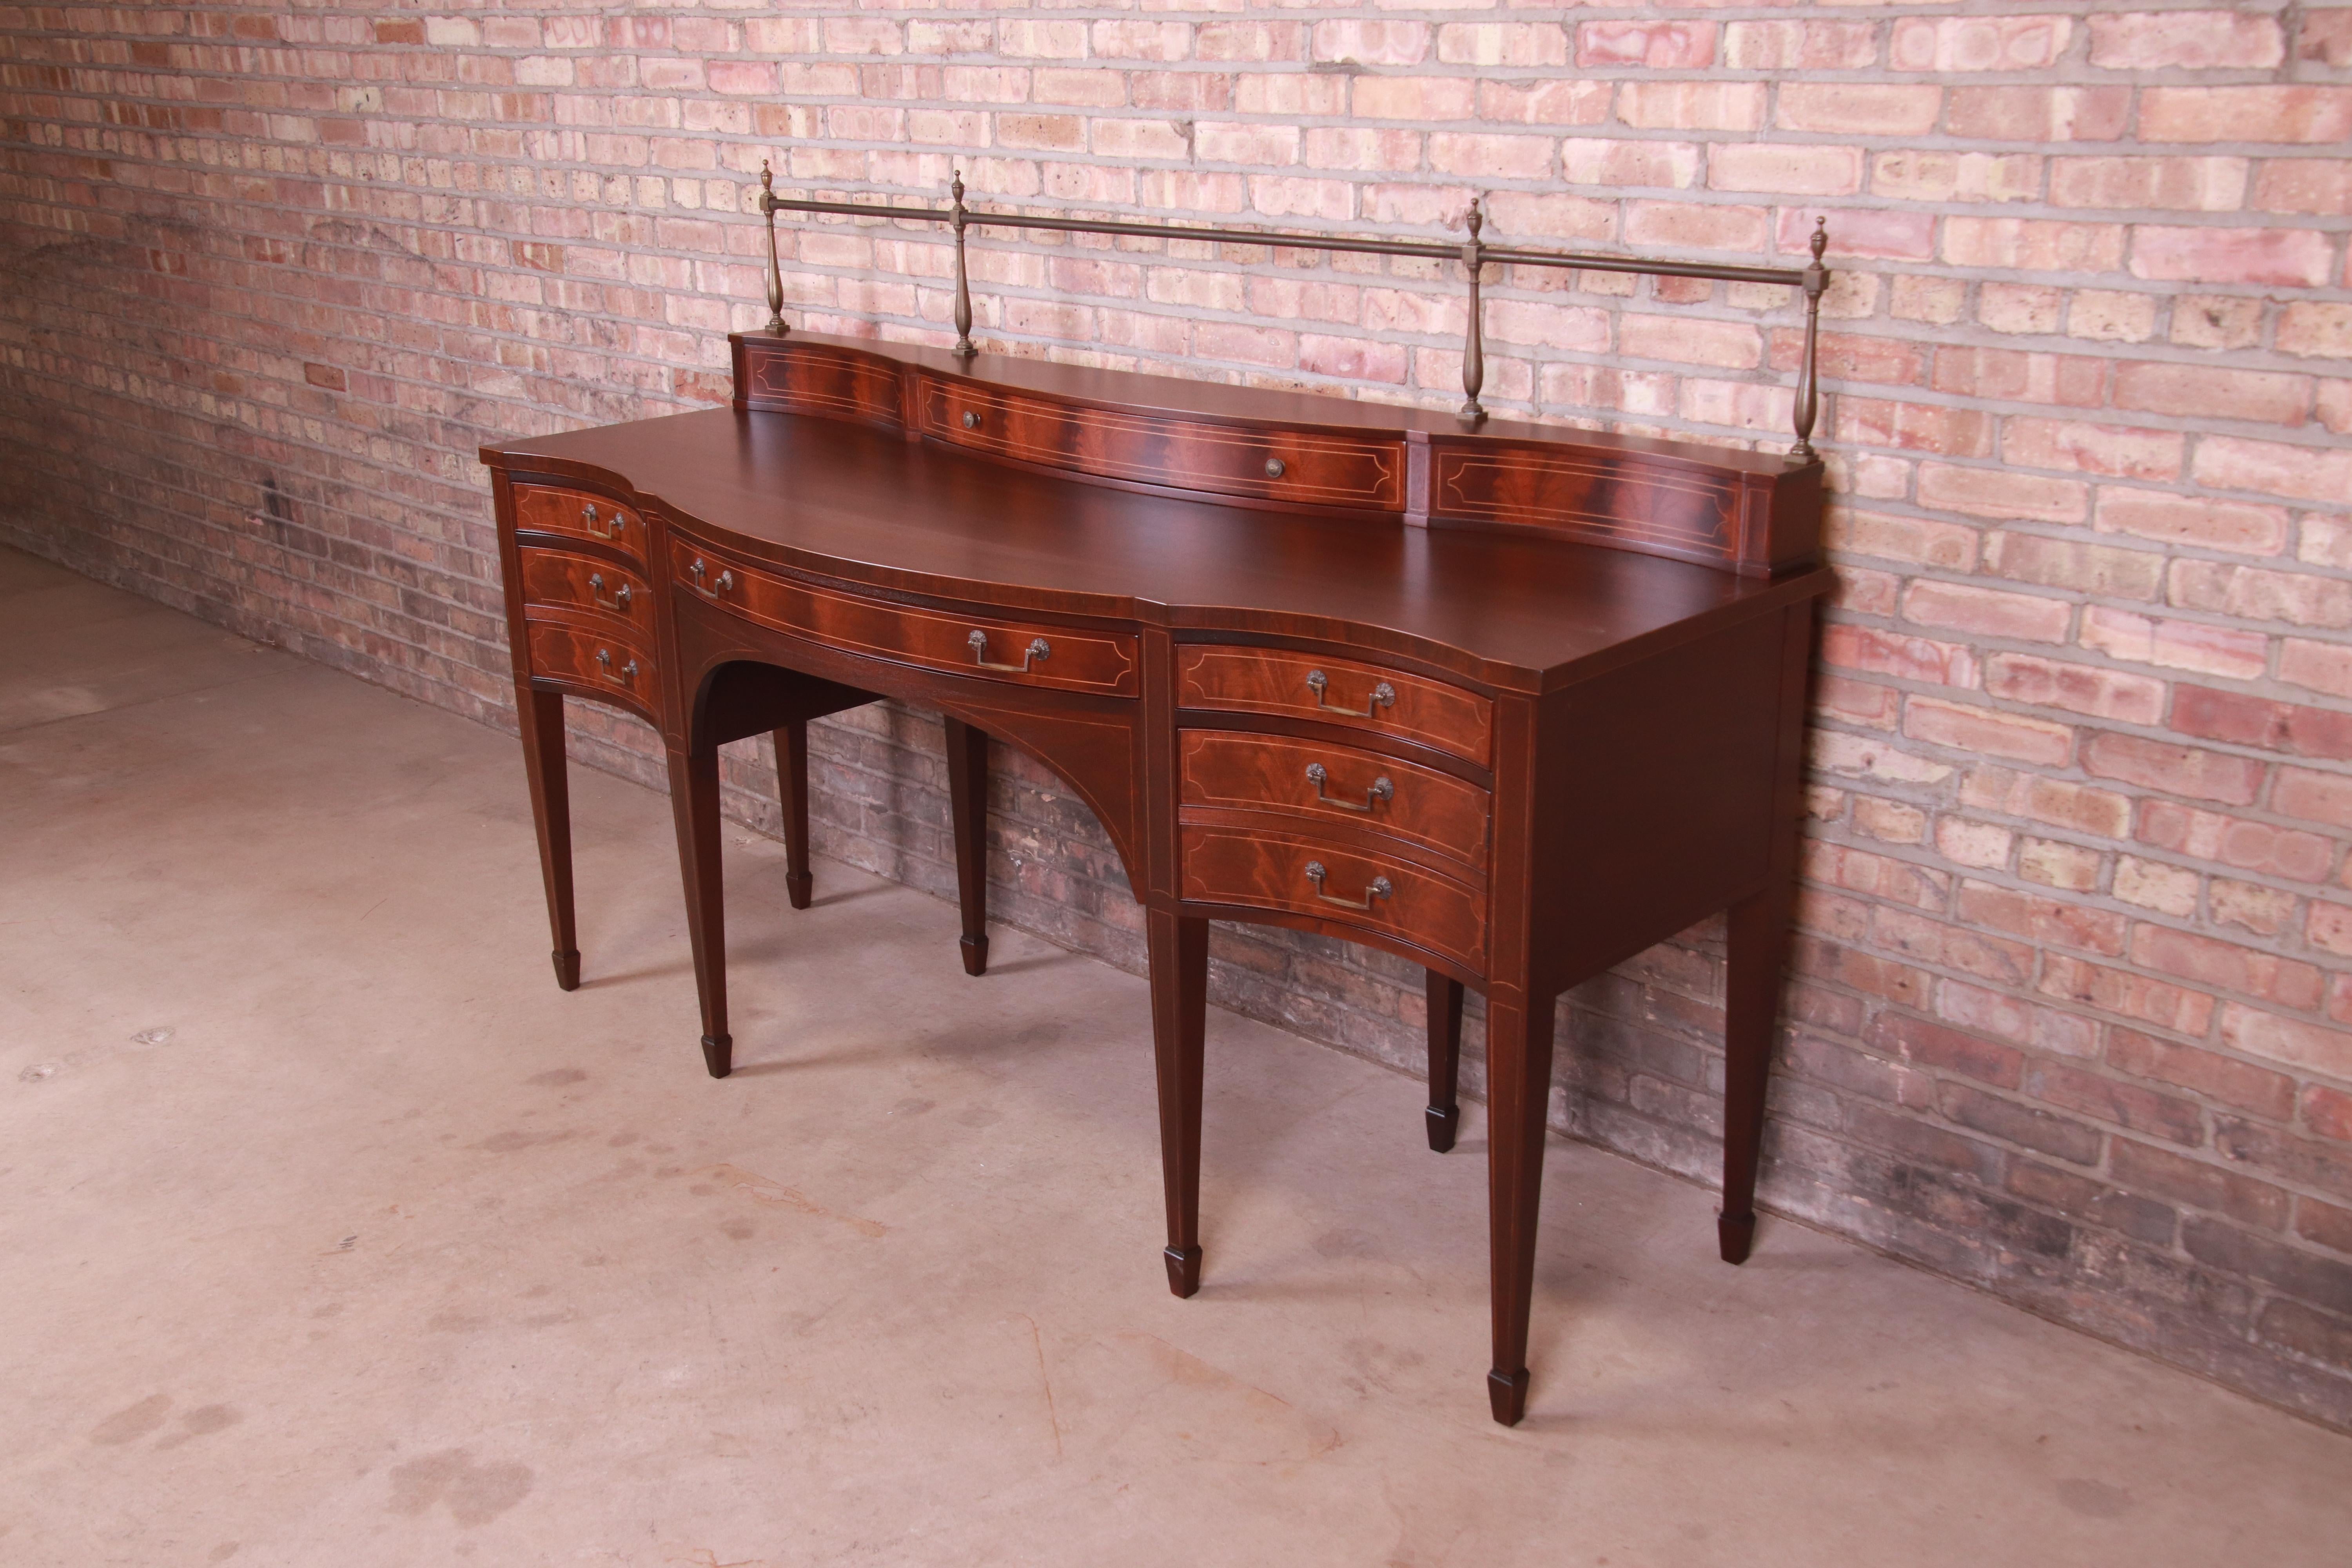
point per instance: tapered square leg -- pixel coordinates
(1180, 1005)
(541, 713)
(1518, 1092)
(1758, 947)
(791, 794)
(694, 804)
(1445, 1113)
(968, 806)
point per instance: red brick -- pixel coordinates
(2225, 966)
(2117, 451)
(2211, 391)
(1661, 46)
(2034, 245)
(1783, 168)
(1691, 105)
(2292, 1042)
(2197, 1184)
(2126, 1105)
(2310, 328)
(1885, 653)
(2070, 379)
(2176, 183)
(2067, 922)
(2325, 1223)
(2236, 841)
(2215, 715)
(2040, 114)
(1997, 493)
(1858, 108)
(1928, 1045)
(2315, 797)
(2322, 667)
(2243, 527)
(2309, 473)
(2327, 1111)
(2100, 813)
(2058, 562)
(2131, 996)
(1978, 43)
(2176, 770)
(2234, 1083)
(2329, 927)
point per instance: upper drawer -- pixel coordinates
(994, 648)
(552, 510)
(561, 580)
(1312, 685)
(1278, 464)
(1339, 785)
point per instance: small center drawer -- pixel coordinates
(1317, 876)
(544, 509)
(561, 580)
(611, 666)
(1319, 467)
(1065, 657)
(1336, 785)
(1341, 691)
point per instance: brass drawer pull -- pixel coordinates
(1038, 649)
(613, 525)
(1381, 790)
(710, 590)
(619, 600)
(628, 672)
(1379, 889)
(971, 420)
(1273, 468)
(1383, 696)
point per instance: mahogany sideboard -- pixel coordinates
(1512, 702)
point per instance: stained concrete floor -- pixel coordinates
(333, 1235)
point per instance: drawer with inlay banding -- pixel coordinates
(546, 510)
(1067, 658)
(1283, 682)
(1334, 880)
(1334, 785)
(607, 666)
(565, 580)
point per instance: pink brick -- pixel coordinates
(1373, 43)
(2185, 40)
(1729, 345)
(2209, 392)
(2177, 644)
(2263, 722)
(2292, 1042)
(2314, 796)
(2068, 379)
(2201, 960)
(1988, 611)
(1978, 43)
(2033, 245)
(1505, 157)
(1691, 105)
(2322, 667)
(2130, 996)
(2116, 450)
(2001, 493)
(1685, 226)
(2085, 689)
(1502, 44)
(2316, 185)
(2326, 37)
(1987, 732)
(1877, 652)
(1601, 160)
(2183, 184)
(2290, 257)
(2307, 115)
(1414, 97)
(2041, 113)
(1791, 170)
(2329, 927)
(2310, 473)
(2313, 330)
(1859, 109)
(1800, 46)
(1662, 45)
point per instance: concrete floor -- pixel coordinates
(335, 1236)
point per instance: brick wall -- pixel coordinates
(2072, 1019)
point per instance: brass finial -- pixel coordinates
(1821, 238)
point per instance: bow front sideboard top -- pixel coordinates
(1511, 702)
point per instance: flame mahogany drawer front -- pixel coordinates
(557, 579)
(1065, 657)
(610, 665)
(1316, 467)
(546, 510)
(1313, 686)
(1333, 881)
(1341, 785)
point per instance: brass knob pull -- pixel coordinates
(700, 573)
(1379, 889)
(1273, 468)
(619, 600)
(978, 642)
(628, 672)
(1380, 790)
(1383, 696)
(971, 420)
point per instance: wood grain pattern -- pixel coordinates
(541, 509)
(1073, 659)
(606, 666)
(813, 378)
(1279, 680)
(589, 585)
(1282, 465)
(1271, 774)
(1260, 869)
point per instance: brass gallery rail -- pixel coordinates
(1471, 253)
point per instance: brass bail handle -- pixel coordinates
(712, 590)
(619, 600)
(627, 672)
(1039, 649)
(1380, 790)
(1383, 696)
(1379, 889)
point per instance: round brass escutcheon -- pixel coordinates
(971, 420)
(1273, 468)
